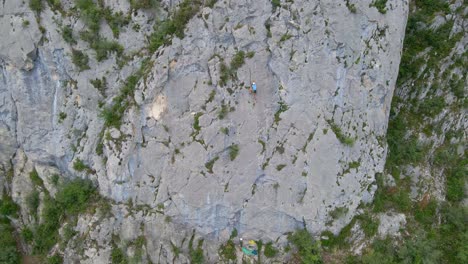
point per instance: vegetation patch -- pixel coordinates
(230, 73)
(275, 4)
(233, 151)
(280, 167)
(340, 135)
(228, 251)
(381, 5)
(222, 113)
(339, 212)
(196, 254)
(369, 225)
(351, 7)
(270, 251)
(306, 249)
(175, 26)
(35, 179)
(8, 252)
(80, 166)
(263, 145)
(80, 60)
(113, 114)
(100, 85)
(283, 107)
(67, 35)
(209, 165)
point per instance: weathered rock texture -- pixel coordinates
(318, 67)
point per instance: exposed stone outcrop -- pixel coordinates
(194, 153)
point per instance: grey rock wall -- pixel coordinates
(316, 60)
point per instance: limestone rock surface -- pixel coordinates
(194, 153)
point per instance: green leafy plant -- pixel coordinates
(283, 107)
(275, 4)
(8, 252)
(79, 165)
(209, 165)
(381, 5)
(80, 59)
(228, 251)
(339, 134)
(270, 251)
(74, 196)
(67, 35)
(36, 5)
(233, 151)
(307, 250)
(35, 179)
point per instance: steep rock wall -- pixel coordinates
(309, 142)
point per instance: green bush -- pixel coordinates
(403, 149)
(285, 37)
(224, 74)
(104, 48)
(280, 167)
(196, 254)
(74, 196)
(55, 4)
(209, 165)
(36, 180)
(27, 235)
(46, 234)
(238, 60)
(227, 73)
(90, 13)
(55, 259)
(118, 256)
(270, 250)
(456, 179)
(8, 252)
(228, 251)
(71, 199)
(233, 151)
(80, 60)
(113, 114)
(36, 5)
(369, 225)
(222, 113)
(115, 20)
(100, 85)
(425, 214)
(381, 5)
(8, 207)
(67, 35)
(307, 250)
(144, 4)
(340, 135)
(32, 202)
(196, 124)
(62, 116)
(233, 233)
(250, 54)
(432, 106)
(351, 7)
(339, 212)
(210, 3)
(392, 197)
(79, 165)
(275, 4)
(175, 25)
(283, 107)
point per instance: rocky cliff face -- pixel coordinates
(174, 138)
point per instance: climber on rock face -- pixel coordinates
(253, 88)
